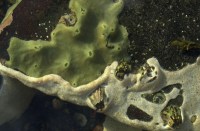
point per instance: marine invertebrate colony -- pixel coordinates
(94, 39)
(118, 101)
(61, 67)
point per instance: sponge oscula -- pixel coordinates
(78, 52)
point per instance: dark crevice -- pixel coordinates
(169, 88)
(134, 112)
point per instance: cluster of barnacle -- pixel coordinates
(122, 69)
(171, 114)
(147, 71)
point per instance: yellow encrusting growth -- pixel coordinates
(78, 52)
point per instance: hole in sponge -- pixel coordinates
(90, 53)
(66, 64)
(134, 112)
(74, 84)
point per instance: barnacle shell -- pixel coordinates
(171, 116)
(97, 98)
(122, 69)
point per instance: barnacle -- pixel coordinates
(149, 77)
(147, 72)
(122, 69)
(97, 98)
(171, 116)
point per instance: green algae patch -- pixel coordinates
(78, 52)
